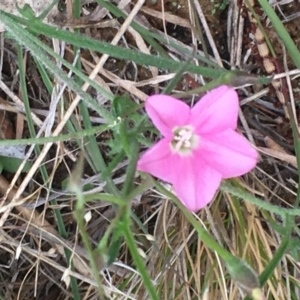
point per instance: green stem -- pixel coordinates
(79, 215)
(228, 187)
(137, 258)
(54, 139)
(100, 46)
(131, 169)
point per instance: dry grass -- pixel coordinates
(32, 250)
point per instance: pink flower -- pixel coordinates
(199, 147)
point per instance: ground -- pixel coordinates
(50, 213)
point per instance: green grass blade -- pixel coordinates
(282, 32)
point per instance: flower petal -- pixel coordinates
(229, 153)
(160, 162)
(216, 111)
(196, 184)
(166, 113)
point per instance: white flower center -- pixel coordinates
(185, 140)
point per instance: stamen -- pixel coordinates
(184, 139)
(187, 144)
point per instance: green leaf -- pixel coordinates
(294, 245)
(26, 11)
(277, 257)
(1, 167)
(12, 164)
(114, 247)
(121, 105)
(105, 48)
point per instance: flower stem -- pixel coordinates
(136, 256)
